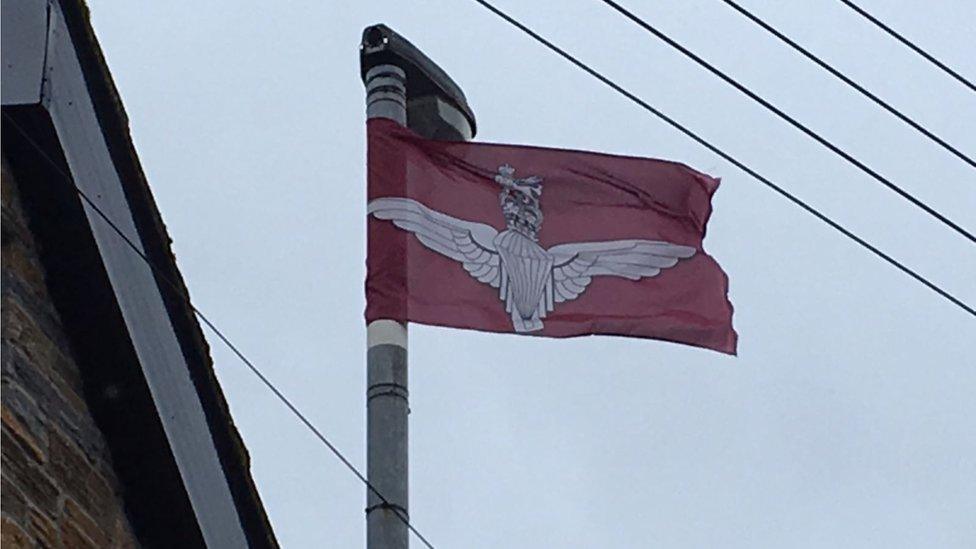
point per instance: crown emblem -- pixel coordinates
(519, 200)
(531, 280)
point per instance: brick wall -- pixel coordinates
(58, 487)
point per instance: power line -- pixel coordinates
(727, 157)
(792, 121)
(909, 43)
(220, 335)
(844, 78)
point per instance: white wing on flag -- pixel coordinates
(467, 242)
(576, 264)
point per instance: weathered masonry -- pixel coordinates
(115, 432)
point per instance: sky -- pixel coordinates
(845, 421)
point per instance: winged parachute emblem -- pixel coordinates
(530, 279)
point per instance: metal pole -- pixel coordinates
(387, 402)
(436, 109)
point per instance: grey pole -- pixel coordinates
(386, 371)
(388, 81)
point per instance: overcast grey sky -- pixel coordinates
(846, 421)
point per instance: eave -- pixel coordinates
(148, 374)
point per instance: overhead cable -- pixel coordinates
(928, 57)
(847, 80)
(181, 292)
(792, 121)
(727, 157)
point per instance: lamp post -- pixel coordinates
(404, 85)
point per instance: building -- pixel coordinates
(115, 432)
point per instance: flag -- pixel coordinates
(540, 241)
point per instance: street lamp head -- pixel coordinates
(436, 106)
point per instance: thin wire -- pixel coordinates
(792, 121)
(844, 78)
(909, 43)
(701, 141)
(247, 362)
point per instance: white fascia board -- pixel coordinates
(22, 46)
(150, 329)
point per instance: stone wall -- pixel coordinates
(58, 486)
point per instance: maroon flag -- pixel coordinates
(540, 241)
